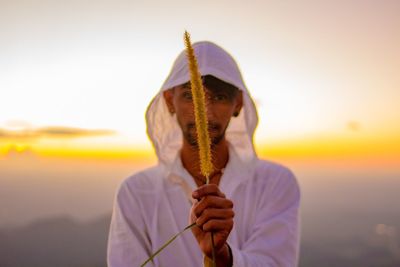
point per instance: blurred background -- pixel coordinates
(77, 76)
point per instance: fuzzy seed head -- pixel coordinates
(200, 110)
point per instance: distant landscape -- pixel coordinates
(61, 241)
(61, 216)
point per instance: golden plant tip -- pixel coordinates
(200, 110)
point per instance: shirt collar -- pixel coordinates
(235, 172)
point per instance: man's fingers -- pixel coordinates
(207, 189)
(211, 202)
(216, 225)
(209, 214)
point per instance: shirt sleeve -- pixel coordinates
(128, 243)
(274, 238)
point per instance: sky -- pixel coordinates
(77, 76)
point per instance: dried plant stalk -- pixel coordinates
(203, 139)
(166, 244)
(200, 111)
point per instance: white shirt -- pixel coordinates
(152, 206)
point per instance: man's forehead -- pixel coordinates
(212, 84)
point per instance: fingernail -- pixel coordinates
(195, 194)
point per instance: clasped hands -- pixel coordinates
(212, 213)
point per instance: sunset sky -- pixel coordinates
(77, 76)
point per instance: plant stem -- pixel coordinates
(213, 250)
(166, 244)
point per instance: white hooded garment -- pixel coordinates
(153, 205)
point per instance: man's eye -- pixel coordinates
(220, 97)
(187, 95)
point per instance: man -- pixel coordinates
(250, 205)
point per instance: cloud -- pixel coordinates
(72, 132)
(353, 126)
(2, 133)
(53, 131)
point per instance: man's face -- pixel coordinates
(222, 103)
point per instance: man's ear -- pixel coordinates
(238, 104)
(169, 100)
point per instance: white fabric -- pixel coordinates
(153, 205)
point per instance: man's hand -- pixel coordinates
(212, 213)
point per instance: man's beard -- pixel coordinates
(190, 134)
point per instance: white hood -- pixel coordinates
(163, 129)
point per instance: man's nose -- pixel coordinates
(210, 107)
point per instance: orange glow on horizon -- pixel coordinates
(345, 151)
(334, 147)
